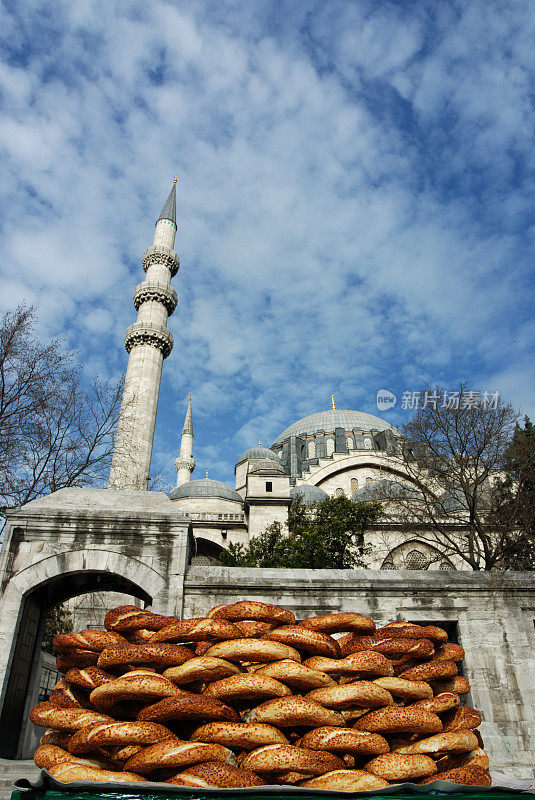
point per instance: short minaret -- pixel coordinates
(148, 341)
(185, 463)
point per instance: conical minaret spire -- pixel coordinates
(148, 342)
(185, 463)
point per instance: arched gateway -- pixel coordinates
(71, 543)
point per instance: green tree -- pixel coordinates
(330, 536)
(58, 620)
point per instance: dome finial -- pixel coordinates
(175, 180)
(332, 402)
(259, 443)
(206, 473)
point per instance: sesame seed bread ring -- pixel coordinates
(463, 718)
(157, 655)
(48, 754)
(431, 671)
(65, 696)
(259, 650)
(298, 676)
(197, 630)
(163, 755)
(57, 738)
(314, 642)
(406, 690)
(45, 715)
(253, 610)
(219, 775)
(354, 664)
(359, 693)
(344, 740)
(400, 767)
(275, 758)
(188, 706)
(248, 686)
(399, 720)
(141, 636)
(392, 647)
(203, 668)
(76, 658)
(345, 780)
(96, 641)
(476, 758)
(136, 687)
(339, 623)
(243, 735)
(189, 781)
(69, 772)
(288, 711)
(459, 685)
(468, 775)
(438, 704)
(411, 631)
(88, 678)
(108, 734)
(131, 618)
(449, 742)
(251, 628)
(450, 651)
(352, 714)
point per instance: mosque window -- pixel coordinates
(339, 492)
(388, 564)
(369, 480)
(367, 443)
(416, 560)
(349, 443)
(312, 449)
(269, 486)
(446, 566)
(330, 447)
(354, 485)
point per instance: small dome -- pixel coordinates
(383, 489)
(267, 465)
(308, 494)
(205, 487)
(257, 454)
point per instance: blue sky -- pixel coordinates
(356, 198)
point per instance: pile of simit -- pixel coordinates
(247, 697)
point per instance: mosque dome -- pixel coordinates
(333, 418)
(257, 454)
(309, 494)
(267, 465)
(205, 487)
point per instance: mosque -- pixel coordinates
(334, 452)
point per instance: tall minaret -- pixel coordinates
(185, 463)
(148, 342)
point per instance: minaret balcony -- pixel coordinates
(149, 333)
(159, 292)
(160, 254)
(185, 463)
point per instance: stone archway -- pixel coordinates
(29, 594)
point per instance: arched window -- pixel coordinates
(312, 449)
(367, 443)
(445, 566)
(369, 480)
(416, 560)
(354, 485)
(339, 492)
(349, 443)
(330, 447)
(388, 564)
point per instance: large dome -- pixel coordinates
(205, 487)
(329, 420)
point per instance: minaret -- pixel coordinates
(185, 463)
(148, 342)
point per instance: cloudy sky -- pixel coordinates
(355, 198)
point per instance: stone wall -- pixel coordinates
(492, 613)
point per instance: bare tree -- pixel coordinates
(453, 454)
(54, 430)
